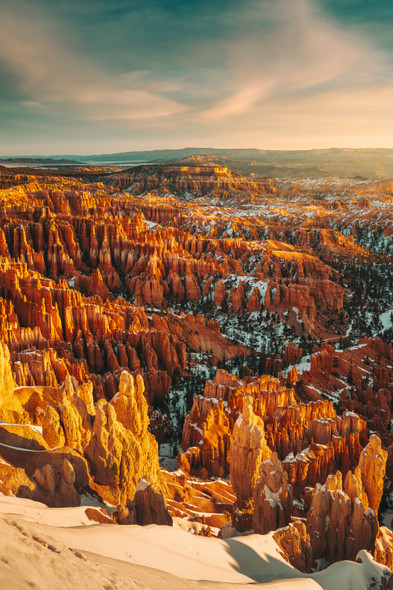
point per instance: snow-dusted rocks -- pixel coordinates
(348, 516)
(338, 526)
(273, 497)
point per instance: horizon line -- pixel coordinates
(170, 149)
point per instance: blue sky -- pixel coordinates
(89, 76)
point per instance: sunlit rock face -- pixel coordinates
(248, 450)
(121, 450)
(70, 423)
(9, 408)
(372, 467)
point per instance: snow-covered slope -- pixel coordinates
(50, 548)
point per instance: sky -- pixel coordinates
(95, 76)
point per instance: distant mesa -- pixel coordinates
(30, 161)
(318, 163)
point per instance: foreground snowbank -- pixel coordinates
(36, 543)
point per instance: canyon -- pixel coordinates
(182, 345)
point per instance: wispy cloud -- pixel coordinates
(50, 71)
(301, 53)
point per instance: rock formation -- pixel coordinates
(248, 450)
(150, 505)
(121, 450)
(372, 466)
(273, 497)
(70, 423)
(338, 525)
(8, 409)
(295, 544)
(57, 489)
